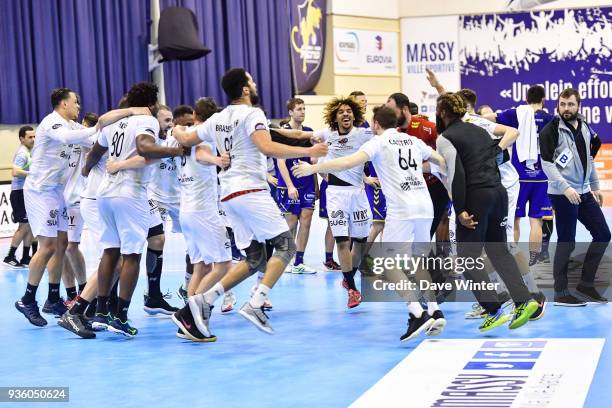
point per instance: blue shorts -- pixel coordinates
(323, 199)
(378, 203)
(305, 200)
(534, 194)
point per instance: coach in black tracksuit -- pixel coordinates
(479, 199)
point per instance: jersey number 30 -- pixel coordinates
(404, 163)
(117, 144)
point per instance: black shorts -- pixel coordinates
(19, 212)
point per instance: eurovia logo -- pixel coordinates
(379, 42)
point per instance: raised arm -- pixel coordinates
(341, 163)
(264, 143)
(112, 116)
(186, 137)
(434, 82)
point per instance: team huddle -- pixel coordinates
(242, 192)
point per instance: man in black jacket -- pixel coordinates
(481, 204)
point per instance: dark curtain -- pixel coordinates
(253, 34)
(96, 47)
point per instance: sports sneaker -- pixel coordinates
(200, 312)
(181, 292)
(74, 323)
(541, 299)
(180, 334)
(31, 313)
(158, 305)
(25, 261)
(494, 320)
(123, 328)
(332, 265)
(229, 300)
(302, 269)
(257, 316)
(101, 321)
(590, 294)
(12, 262)
(522, 313)
(569, 301)
(439, 322)
(416, 325)
(544, 257)
(477, 312)
(354, 298)
(57, 309)
(187, 327)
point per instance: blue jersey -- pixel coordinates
(306, 183)
(509, 118)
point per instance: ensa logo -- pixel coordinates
(379, 43)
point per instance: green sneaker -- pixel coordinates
(522, 313)
(494, 320)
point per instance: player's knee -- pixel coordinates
(256, 258)
(284, 246)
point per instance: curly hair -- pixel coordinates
(142, 94)
(453, 104)
(331, 110)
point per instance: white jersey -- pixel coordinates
(76, 183)
(345, 145)
(509, 175)
(230, 131)
(198, 182)
(120, 139)
(96, 174)
(49, 154)
(164, 186)
(398, 160)
(22, 159)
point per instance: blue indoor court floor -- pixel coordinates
(322, 355)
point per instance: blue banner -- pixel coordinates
(501, 55)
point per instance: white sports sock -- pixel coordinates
(260, 276)
(260, 295)
(432, 307)
(415, 308)
(214, 293)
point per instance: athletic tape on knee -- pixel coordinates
(256, 257)
(284, 246)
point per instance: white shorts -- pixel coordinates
(154, 214)
(513, 194)
(91, 217)
(254, 217)
(75, 224)
(349, 211)
(125, 223)
(206, 237)
(46, 211)
(406, 236)
(170, 211)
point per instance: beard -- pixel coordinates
(570, 117)
(440, 126)
(401, 121)
(254, 99)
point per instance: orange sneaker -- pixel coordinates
(354, 298)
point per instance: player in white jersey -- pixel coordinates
(21, 166)
(348, 207)
(74, 262)
(199, 215)
(242, 131)
(122, 202)
(44, 198)
(398, 160)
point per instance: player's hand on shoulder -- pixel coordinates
(318, 150)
